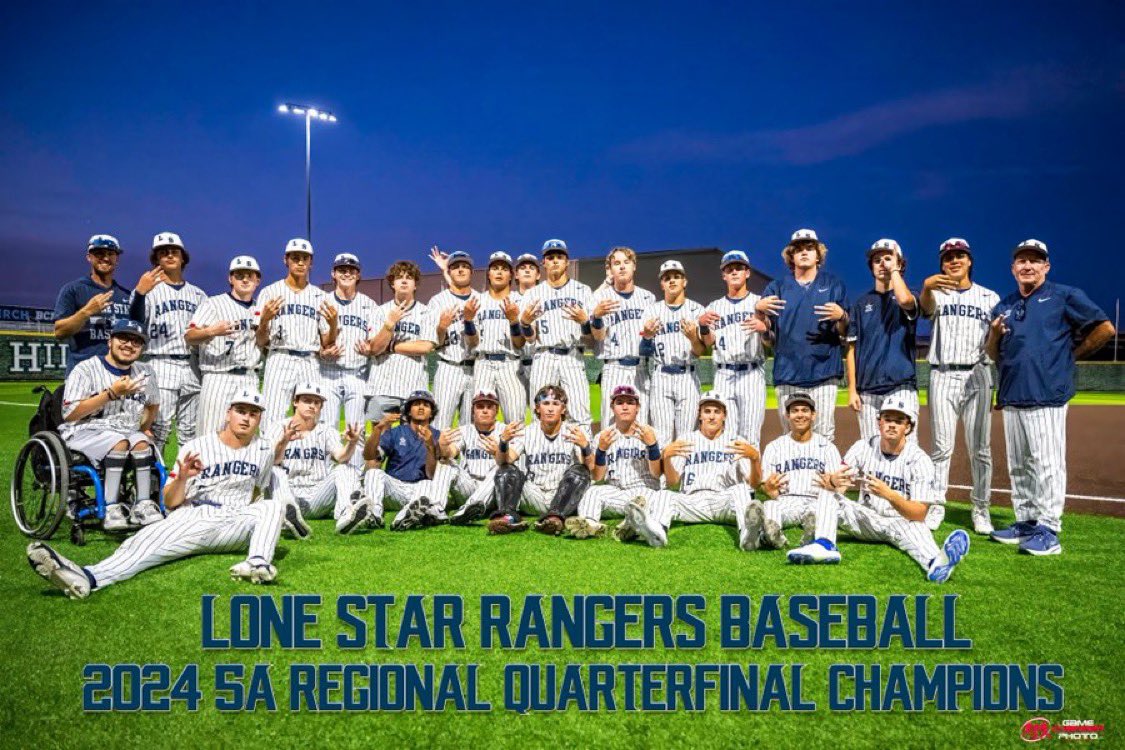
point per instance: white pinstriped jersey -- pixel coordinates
(554, 328)
(623, 325)
(474, 457)
(493, 328)
(298, 325)
(627, 464)
(546, 459)
(709, 466)
(397, 375)
(308, 459)
(223, 353)
(454, 348)
(672, 346)
(733, 344)
(229, 475)
(800, 462)
(92, 376)
(910, 473)
(961, 320)
(357, 321)
(168, 311)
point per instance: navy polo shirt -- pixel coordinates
(1037, 354)
(883, 333)
(406, 455)
(93, 338)
(806, 350)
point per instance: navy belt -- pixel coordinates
(954, 368)
(741, 367)
(676, 369)
(236, 371)
(184, 357)
(564, 349)
(624, 361)
(498, 358)
(525, 362)
(462, 363)
(296, 352)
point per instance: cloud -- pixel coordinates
(1017, 94)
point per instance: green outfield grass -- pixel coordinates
(1016, 610)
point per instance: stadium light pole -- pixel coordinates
(309, 113)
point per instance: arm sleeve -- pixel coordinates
(841, 295)
(1081, 312)
(138, 309)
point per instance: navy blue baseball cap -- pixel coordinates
(128, 327)
(527, 258)
(346, 260)
(733, 256)
(1034, 245)
(420, 396)
(459, 255)
(103, 242)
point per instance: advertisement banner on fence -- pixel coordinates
(31, 357)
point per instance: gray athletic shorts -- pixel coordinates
(96, 442)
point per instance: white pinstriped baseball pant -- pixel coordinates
(332, 493)
(467, 489)
(382, 490)
(788, 510)
(603, 500)
(215, 393)
(614, 375)
(502, 378)
(1036, 446)
(704, 506)
(872, 403)
(673, 404)
(453, 386)
(745, 392)
(191, 531)
(912, 537)
(343, 388)
(284, 372)
(965, 395)
(179, 388)
(823, 395)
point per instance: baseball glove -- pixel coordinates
(549, 525)
(507, 524)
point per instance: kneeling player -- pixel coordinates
(109, 404)
(557, 459)
(627, 459)
(416, 479)
(478, 445)
(895, 479)
(313, 466)
(210, 499)
(715, 478)
(791, 464)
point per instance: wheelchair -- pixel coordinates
(51, 482)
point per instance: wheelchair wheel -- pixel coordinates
(40, 485)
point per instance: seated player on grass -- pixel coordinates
(478, 445)
(211, 509)
(895, 479)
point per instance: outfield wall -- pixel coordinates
(31, 356)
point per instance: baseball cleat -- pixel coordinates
(1042, 542)
(254, 571)
(982, 523)
(754, 518)
(62, 573)
(294, 522)
(549, 525)
(375, 519)
(146, 512)
(507, 524)
(410, 517)
(816, 552)
(645, 526)
(431, 514)
(467, 513)
(352, 518)
(584, 528)
(624, 531)
(1014, 534)
(953, 550)
(773, 535)
(115, 518)
(934, 517)
(808, 528)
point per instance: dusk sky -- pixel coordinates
(487, 126)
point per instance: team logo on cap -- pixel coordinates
(734, 256)
(248, 398)
(953, 243)
(345, 260)
(885, 244)
(713, 398)
(298, 245)
(128, 327)
(502, 257)
(486, 396)
(554, 246)
(527, 258)
(309, 388)
(624, 391)
(899, 405)
(103, 242)
(459, 256)
(1036, 245)
(804, 235)
(244, 263)
(671, 265)
(167, 239)
(800, 398)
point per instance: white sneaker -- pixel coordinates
(62, 573)
(352, 518)
(115, 518)
(146, 512)
(820, 552)
(294, 520)
(934, 517)
(256, 571)
(645, 526)
(982, 522)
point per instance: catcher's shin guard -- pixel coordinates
(573, 486)
(507, 488)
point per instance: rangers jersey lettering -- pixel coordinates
(124, 414)
(546, 459)
(627, 464)
(356, 321)
(168, 311)
(298, 325)
(395, 374)
(961, 320)
(475, 458)
(493, 328)
(225, 353)
(554, 328)
(733, 343)
(910, 473)
(709, 466)
(671, 345)
(229, 475)
(308, 459)
(623, 325)
(800, 462)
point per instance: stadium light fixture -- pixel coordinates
(308, 114)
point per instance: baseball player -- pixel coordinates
(109, 405)
(732, 329)
(880, 349)
(87, 307)
(715, 477)
(1036, 335)
(344, 365)
(527, 276)
(555, 317)
(555, 459)
(895, 479)
(223, 330)
(454, 310)
(616, 323)
(403, 338)
(478, 444)
(295, 322)
(627, 460)
(499, 340)
(790, 465)
(314, 466)
(417, 476)
(808, 314)
(960, 376)
(211, 510)
(671, 337)
(166, 308)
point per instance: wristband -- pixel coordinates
(600, 457)
(112, 396)
(391, 347)
(704, 330)
(527, 331)
(504, 446)
(470, 328)
(598, 323)
(653, 452)
(516, 329)
(587, 451)
(586, 328)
